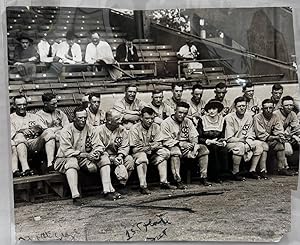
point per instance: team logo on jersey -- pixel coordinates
(245, 129)
(255, 109)
(31, 123)
(151, 138)
(185, 131)
(118, 141)
(88, 144)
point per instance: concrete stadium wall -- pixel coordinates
(272, 28)
(236, 63)
(261, 91)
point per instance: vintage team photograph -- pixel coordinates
(152, 125)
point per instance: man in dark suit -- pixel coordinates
(127, 52)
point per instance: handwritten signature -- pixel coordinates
(48, 235)
(142, 227)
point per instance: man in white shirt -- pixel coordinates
(99, 54)
(69, 51)
(47, 49)
(190, 52)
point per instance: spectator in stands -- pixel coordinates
(47, 49)
(116, 142)
(51, 117)
(127, 52)
(220, 92)
(162, 110)
(81, 148)
(69, 51)
(26, 57)
(146, 144)
(130, 106)
(211, 130)
(290, 124)
(96, 116)
(177, 89)
(99, 54)
(240, 136)
(180, 136)
(196, 104)
(190, 52)
(277, 91)
(29, 135)
(269, 129)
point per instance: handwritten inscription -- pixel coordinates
(145, 226)
(49, 235)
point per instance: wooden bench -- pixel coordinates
(24, 186)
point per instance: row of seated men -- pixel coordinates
(133, 134)
(98, 54)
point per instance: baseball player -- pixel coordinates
(180, 136)
(161, 109)
(220, 92)
(177, 89)
(290, 124)
(51, 116)
(240, 137)
(196, 104)
(130, 106)
(269, 129)
(276, 94)
(253, 103)
(29, 135)
(115, 139)
(147, 147)
(81, 148)
(96, 116)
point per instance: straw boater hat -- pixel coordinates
(214, 104)
(24, 36)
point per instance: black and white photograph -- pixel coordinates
(171, 124)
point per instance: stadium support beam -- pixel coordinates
(139, 23)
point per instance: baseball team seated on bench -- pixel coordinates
(134, 134)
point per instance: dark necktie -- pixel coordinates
(70, 52)
(50, 52)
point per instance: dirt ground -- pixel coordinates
(254, 210)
